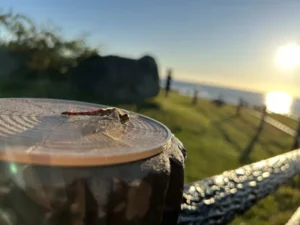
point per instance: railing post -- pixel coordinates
(168, 83)
(239, 107)
(195, 97)
(247, 151)
(297, 136)
(263, 116)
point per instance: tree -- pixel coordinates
(44, 49)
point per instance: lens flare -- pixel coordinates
(279, 102)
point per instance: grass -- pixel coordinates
(213, 134)
(214, 138)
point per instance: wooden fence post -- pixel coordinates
(297, 136)
(263, 115)
(195, 97)
(239, 107)
(247, 151)
(168, 83)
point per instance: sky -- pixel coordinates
(231, 43)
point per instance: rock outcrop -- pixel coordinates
(116, 78)
(10, 63)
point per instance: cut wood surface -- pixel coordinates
(34, 131)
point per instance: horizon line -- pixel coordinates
(214, 84)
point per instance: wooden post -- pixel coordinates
(76, 175)
(195, 98)
(168, 83)
(247, 151)
(263, 115)
(297, 136)
(239, 107)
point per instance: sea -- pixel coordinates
(232, 96)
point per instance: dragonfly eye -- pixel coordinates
(124, 118)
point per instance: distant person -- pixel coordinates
(168, 83)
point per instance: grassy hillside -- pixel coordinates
(215, 138)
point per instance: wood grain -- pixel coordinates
(33, 131)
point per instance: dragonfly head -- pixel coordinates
(124, 118)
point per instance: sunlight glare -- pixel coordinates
(288, 56)
(279, 102)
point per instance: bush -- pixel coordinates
(43, 52)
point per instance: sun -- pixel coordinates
(288, 56)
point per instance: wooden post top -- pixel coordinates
(34, 131)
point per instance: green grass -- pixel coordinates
(213, 134)
(214, 138)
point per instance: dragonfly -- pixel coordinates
(111, 112)
(84, 126)
(111, 124)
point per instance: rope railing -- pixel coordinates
(218, 199)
